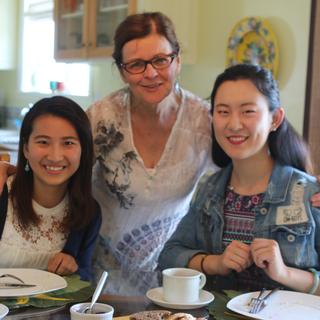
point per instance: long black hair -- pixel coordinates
(285, 144)
(81, 203)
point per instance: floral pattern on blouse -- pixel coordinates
(141, 207)
(107, 139)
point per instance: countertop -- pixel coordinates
(9, 136)
(9, 143)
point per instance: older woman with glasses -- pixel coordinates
(152, 143)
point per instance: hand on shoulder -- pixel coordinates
(6, 169)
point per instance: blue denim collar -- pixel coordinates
(278, 184)
(277, 188)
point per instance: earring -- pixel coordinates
(177, 86)
(273, 127)
(26, 167)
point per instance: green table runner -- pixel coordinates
(76, 291)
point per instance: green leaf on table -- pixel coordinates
(232, 293)
(218, 307)
(50, 300)
(76, 291)
(13, 303)
(74, 284)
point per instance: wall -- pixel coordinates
(291, 27)
(212, 22)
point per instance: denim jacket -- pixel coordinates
(284, 215)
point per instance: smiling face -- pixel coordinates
(242, 120)
(151, 86)
(53, 151)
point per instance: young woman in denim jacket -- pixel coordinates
(251, 225)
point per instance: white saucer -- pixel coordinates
(156, 296)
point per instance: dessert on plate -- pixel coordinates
(162, 315)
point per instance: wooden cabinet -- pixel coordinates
(84, 29)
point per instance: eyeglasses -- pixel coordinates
(159, 62)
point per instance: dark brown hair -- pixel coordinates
(81, 203)
(141, 25)
(285, 144)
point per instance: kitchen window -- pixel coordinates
(40, 73)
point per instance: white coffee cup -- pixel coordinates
(101, 311)
(182, 285)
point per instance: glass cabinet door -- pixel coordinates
(70, 24)
(109, 13)
(84, 29)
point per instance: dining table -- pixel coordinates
(222, 305)
(294, 306)
(123, 306)
(53, 296)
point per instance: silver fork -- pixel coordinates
(7, 275)
(257, 304)
(254, 301)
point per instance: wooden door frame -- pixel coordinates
(311, 126)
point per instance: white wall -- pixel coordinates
(213, 21)
(210, 24)
(291, 26)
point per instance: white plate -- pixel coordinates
(32, 313)
(3, 311)
(44, 281)
(156, 296)
(284, 305)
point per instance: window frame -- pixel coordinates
(26, 97)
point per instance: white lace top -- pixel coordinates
(141, 207)
(32, 248)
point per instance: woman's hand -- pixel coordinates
(62, 264)
(237, 256)
(6, 169)
(267, 256)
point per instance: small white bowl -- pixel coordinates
(101, 311)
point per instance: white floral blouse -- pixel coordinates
(141, 207)
(34, 246)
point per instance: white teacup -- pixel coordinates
(100, 311)
(182, 285)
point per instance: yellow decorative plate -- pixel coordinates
(253, 41)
